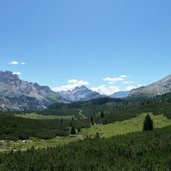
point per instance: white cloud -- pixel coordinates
(128, 88)
(71, 85)
(127, 82)
(13, 63)
(16, 73)
(113, 80)
(106, 90)
(16, 63)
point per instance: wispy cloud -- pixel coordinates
(71, 84)
(106, 90)
(13, 63)
(113, 80)
(16, 73)
(127, 82)
(123, 84)
(16, 63)
(22, 63)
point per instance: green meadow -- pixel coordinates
(126, 126)
(37, 116)
(105, 131)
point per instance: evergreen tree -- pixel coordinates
(79, 130)
(73, 132)
(92, 120)
(97, 135)
(148, 123)
(105, 121)
(102, 114)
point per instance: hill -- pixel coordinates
(112, 109)
(120, 94)
(160, 87)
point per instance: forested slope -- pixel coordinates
(149, 151)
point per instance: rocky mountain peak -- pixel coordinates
(8, 77)
(81, 88)
(81, 93)
(11, 87)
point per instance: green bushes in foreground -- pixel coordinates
(148, 151)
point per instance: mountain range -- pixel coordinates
(16, 94)
(81, 93)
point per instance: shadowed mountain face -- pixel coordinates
(120, 94)
(23, 95)
(158, 88)
(80, 94)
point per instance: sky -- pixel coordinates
(107, 45)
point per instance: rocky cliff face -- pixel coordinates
(23, 95)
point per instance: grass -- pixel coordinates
(126, 126)
(37, 116)
(82, 115)
(105, 131)
(37, 143)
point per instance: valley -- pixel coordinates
(55, 125)
(105, 131)
(85, 85)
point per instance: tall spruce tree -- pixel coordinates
(92, 120)
(148, 123)
(73, 131)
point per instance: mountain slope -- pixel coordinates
(120, 94)
(158, 88)
(23, 95)
(80, 94)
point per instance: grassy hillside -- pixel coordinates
(105, 131)
(126, 126)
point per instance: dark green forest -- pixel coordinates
(113, 109)
(148, 151)
(14, 128)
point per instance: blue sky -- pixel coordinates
(86, 42)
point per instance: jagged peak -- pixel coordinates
(8, 75)
(80, 88)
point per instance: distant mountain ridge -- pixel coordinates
(23, 95)
(16, 94)
(81, 93)
(120, 94)
(160, 87)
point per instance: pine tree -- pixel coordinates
(148, 123)
(92, 120)
(73, 132)
(97, 135)
(102, 115)
(79, 130)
